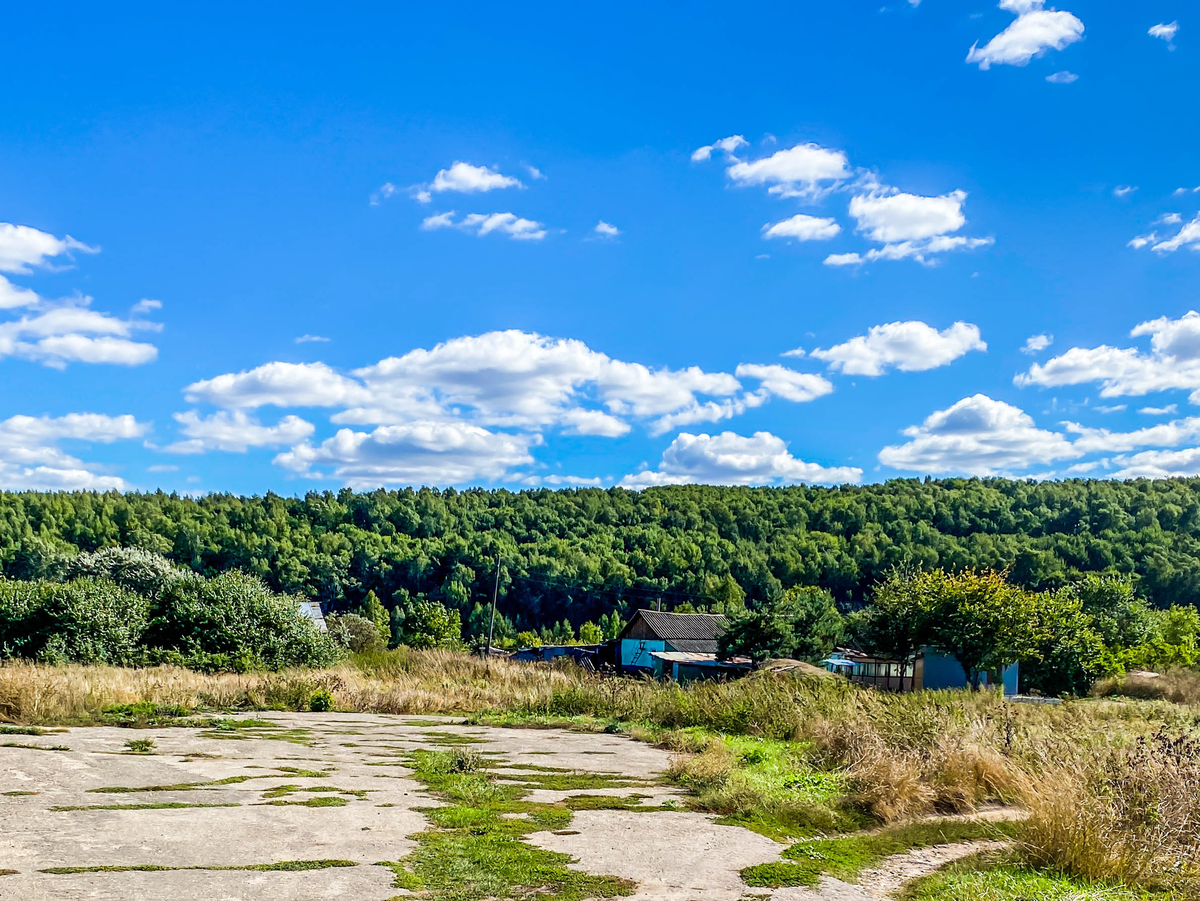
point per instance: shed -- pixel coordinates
(312, 610)
(653, 630)
(683, 666)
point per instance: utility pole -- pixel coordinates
(492, 624)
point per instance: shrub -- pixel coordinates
(236, 615)
(321, 701)
(355, 633)
(84, 621)
(133, 568)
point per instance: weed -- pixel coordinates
(15, 744)
(166, 805)
(846, 857)
(140, 746)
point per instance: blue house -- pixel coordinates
(927, 671)
(653, 630)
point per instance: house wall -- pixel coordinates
(635, 652)
(945, 672)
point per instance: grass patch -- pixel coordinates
(450, 739)
(177, 787)
(164, 805)
(287, 866)
(979, 880)
(475, 849)
(140, 746)
(25, 730)
(4, 872)
(20, 794)
(845, 858)
(16, 744)
(615, 802)
(327, 801)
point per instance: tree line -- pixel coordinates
(579, 558)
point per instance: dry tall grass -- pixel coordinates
(406, 683)
(1128, 814)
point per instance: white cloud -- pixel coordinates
(1170, 219)
(414, 453)
(1187, 236)
(604, 230)
(915, 227)
(1035, 344)
(1158, 464)
(280, 385)
(1063, 77)
(803, 228)
(463, 178)
(732, 459)
(798, 387)
(908, 217)
(1110, 408)
(1172, 363)
(1168, 410)
(977, 436)
(1167, 434)
(569, 481)
(1123, 190)
(725, 145)
(535, 173)
(235, 432)
(1035, 31)
(1179, 192)
(1165, 31)
(482, 224)
(909, 346)
(30, 456)
(312, 339)
(23, 248)
(799, 171)
(71, 332)
(56, 333)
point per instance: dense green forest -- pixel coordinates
(580, 554)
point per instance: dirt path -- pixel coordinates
(334, 787)
(890, 876)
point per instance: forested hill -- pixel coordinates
(581, 553)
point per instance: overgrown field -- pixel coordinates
(1112, 785)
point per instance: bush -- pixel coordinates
(133, 568)
(84, 621)
(355, 633)
(321, 701)
(1179, 686)
(237, 616)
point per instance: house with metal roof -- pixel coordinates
(654, 630)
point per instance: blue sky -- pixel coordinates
(282, 250)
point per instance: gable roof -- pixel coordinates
(680, 626)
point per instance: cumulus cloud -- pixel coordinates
(799, 171)
(1035, 344)
(977, 436)
(460, 178)
(312, 339)
(31, 458)
(414, 453)
(803, 228)
(1035, 31)
(908, 346)
(481, 224)
(605, 230)
(57, 333)
(1172, 363)
(235, 432)
(512, 380)
(1168, 410)
(1157, 464)
(911, 225)
(732, 459)
(1063, 77)
(1122, 191)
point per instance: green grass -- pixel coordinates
(615, 802)
(25, 730)
(140, 746)
(281, 866)
(13, 744)
(177, 787)
(327, 801)
(475, 848)
(978, 880)
(451, 739)
(846, 857)
(20, 794)
(165, 805)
